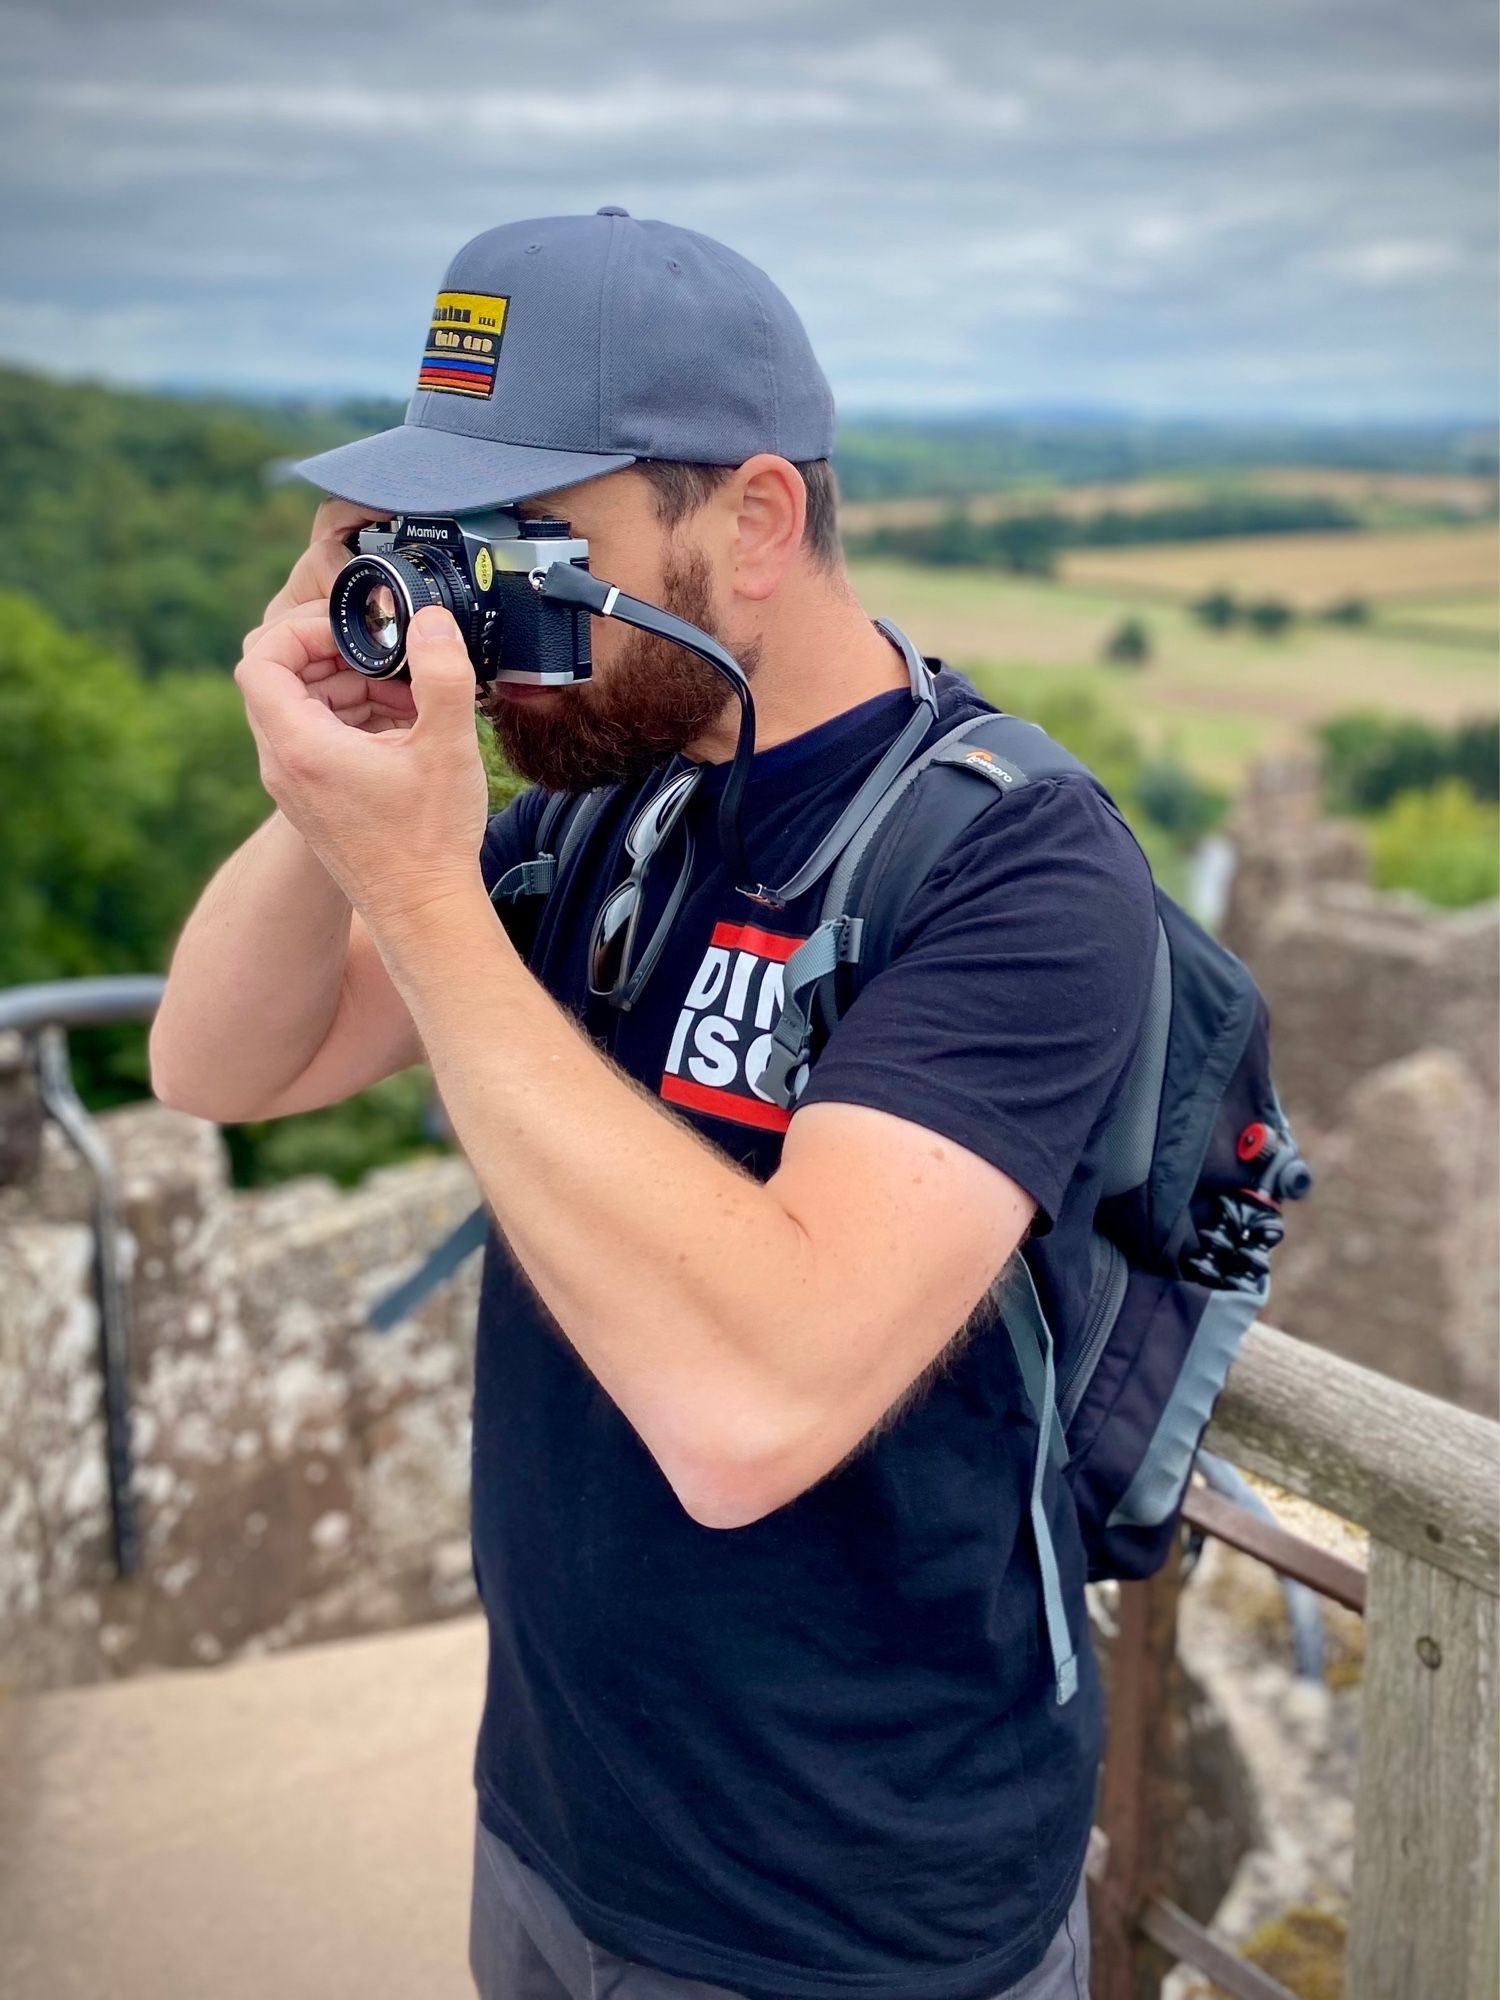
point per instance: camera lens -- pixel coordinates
(375, 597)
(370, 606)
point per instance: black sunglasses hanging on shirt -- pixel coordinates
(614, 973)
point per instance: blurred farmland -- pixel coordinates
(1174, 600)
(1311, 572)
(1218, 699)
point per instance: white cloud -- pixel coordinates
(1395, 260)
(130, 343)
(1219, 206)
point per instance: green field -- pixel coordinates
(1475, 618)
(1310, 571)
(1218, 700)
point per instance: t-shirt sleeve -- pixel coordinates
(509, 837)
(1015, 992)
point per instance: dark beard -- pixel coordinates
(644, 707)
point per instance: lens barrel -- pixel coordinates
(375, 597)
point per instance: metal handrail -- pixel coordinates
(80, 1003)
(42, 1014)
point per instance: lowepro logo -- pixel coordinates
(723, 1033)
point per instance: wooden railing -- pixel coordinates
(1424, 1479)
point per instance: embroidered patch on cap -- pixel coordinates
(463, 343)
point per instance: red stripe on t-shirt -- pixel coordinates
(765, 944)
(725, 1103)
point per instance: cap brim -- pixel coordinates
(416, 469)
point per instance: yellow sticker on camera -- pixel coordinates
(484, 569)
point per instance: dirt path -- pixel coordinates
(298, 1827)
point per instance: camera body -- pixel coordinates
(480, 568)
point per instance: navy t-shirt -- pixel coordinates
(819, 1755)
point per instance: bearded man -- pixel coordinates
(770, 1710)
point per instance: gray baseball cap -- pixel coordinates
(571, 346)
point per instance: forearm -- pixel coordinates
(255, 978)
(687, 1289)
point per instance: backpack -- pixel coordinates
(1198, 1157)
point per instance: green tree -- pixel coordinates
(388, 1122)
(1129, 644)
(1095, 734)
(1172, 798)
(119, 796)
(213, 797)
(1443, 843)
(1476, 755)
(150, 522)
(1370, 758)
(82, 768)
(502, 780)
(1218, 610)
(1269, 617)
(1349, 611)
(1029, 543)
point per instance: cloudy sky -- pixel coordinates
(1242, 207)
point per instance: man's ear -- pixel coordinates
(770, 511)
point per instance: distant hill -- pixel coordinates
(956, 457)
(157, 523)
(148, 521)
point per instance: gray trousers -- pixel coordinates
(523, 1945)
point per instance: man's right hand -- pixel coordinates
(277, 1000)
(362, 703)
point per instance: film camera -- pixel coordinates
(481, 568)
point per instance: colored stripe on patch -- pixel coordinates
(435, 358)
(450, 387)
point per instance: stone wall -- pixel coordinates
(297, 1475)
(1385, 1020)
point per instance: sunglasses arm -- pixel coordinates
(570, 587)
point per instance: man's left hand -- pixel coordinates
(397, 818)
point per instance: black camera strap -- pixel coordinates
(566, 583)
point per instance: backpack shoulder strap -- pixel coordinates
(893, 852)
(887, 859)
(565, 819)
(899, 851)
